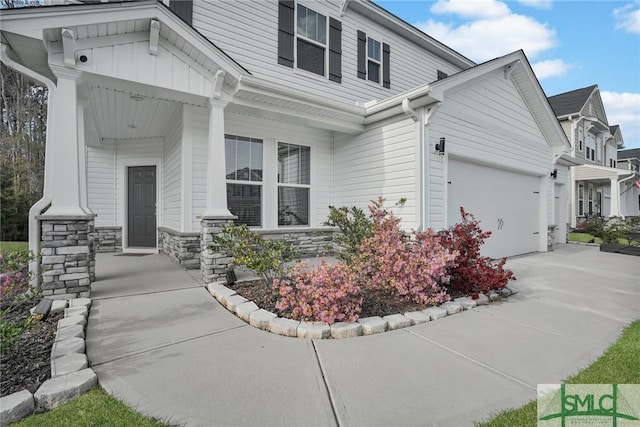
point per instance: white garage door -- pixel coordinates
(507, 203)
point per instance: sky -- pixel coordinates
(570, 44)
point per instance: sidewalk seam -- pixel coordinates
(474, 361)
(163, 346)
(326, 385)
(147, 293)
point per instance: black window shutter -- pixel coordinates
(362, 55)
(335, 50)
(286, 33)
(183, 8)
(386, 66)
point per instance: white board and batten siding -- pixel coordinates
(496, 158)
(382, 161)
(172, 154)
(271, 133)
(230, 23)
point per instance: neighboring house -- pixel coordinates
(595, 144)
(629, 160)
(163, 128)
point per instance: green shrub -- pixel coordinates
(265, 257)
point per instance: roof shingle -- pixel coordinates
(570, 102)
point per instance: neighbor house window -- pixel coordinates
(294, 184)
(590, 198)
(243, 159)
(580, 199)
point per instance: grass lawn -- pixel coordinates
(587, 238)
(13, 246)
(95, 408)
(620, 364)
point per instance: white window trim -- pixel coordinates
(257, 183)
(325, 46)
(378, 38)
(284, 184)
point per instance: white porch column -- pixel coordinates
(82, 156)
(65, 164)
(216, 170)
(615, 198)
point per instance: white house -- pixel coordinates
(163, 127)
(595, 144)
(629, 160)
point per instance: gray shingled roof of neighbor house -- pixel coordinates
(570, 102)
(632, 153)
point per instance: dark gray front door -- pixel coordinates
(142, 206)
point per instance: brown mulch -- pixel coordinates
(27, 364)
(375, 303)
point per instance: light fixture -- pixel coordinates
(554, 174)
(440, 146)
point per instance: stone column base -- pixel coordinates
(213, 265)
(68, 256)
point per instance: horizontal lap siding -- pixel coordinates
(172, 173)
(248, 32)
(200, 137)
(379, 162)
(272, 132)
(101, 183)
(485, 122)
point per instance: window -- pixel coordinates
(294, 179)
(311, 40)
(373, 60)
(590, 198)
(306, 39)
(580, 145)
(243, 158)
(580, 199)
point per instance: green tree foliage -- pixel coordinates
(22, 147)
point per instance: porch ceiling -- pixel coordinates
(599, 173)
(122, 115)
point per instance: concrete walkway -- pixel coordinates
(159, 342)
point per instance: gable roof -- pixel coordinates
(571, 102)
(613, 129)
(631, 153)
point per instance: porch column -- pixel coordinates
(216, 170)
(65, 164)
(214, 264)
(615, 198)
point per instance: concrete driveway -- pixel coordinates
(159, 342)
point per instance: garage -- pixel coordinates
(506, 202)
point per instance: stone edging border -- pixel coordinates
(70, 372)
(262, 319)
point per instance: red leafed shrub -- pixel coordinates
(325, 294)
(471, 272)
(413, 266)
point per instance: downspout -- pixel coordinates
(411, 113)
(40, 205)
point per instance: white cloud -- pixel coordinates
(538, 4)
(551, 68)
(489, 38)
(623, 108)
(472, 9)
(628, 18)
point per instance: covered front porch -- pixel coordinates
(597, 191)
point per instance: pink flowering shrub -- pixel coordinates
(473, 273)
(415, 266)
(325, 294)
(14, 276)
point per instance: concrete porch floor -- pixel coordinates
(159, 342)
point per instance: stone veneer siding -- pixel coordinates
(213, 265)
(108, 239)
(67, 267)
(309, 243)
(183, 248)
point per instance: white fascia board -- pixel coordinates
(568, 160)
